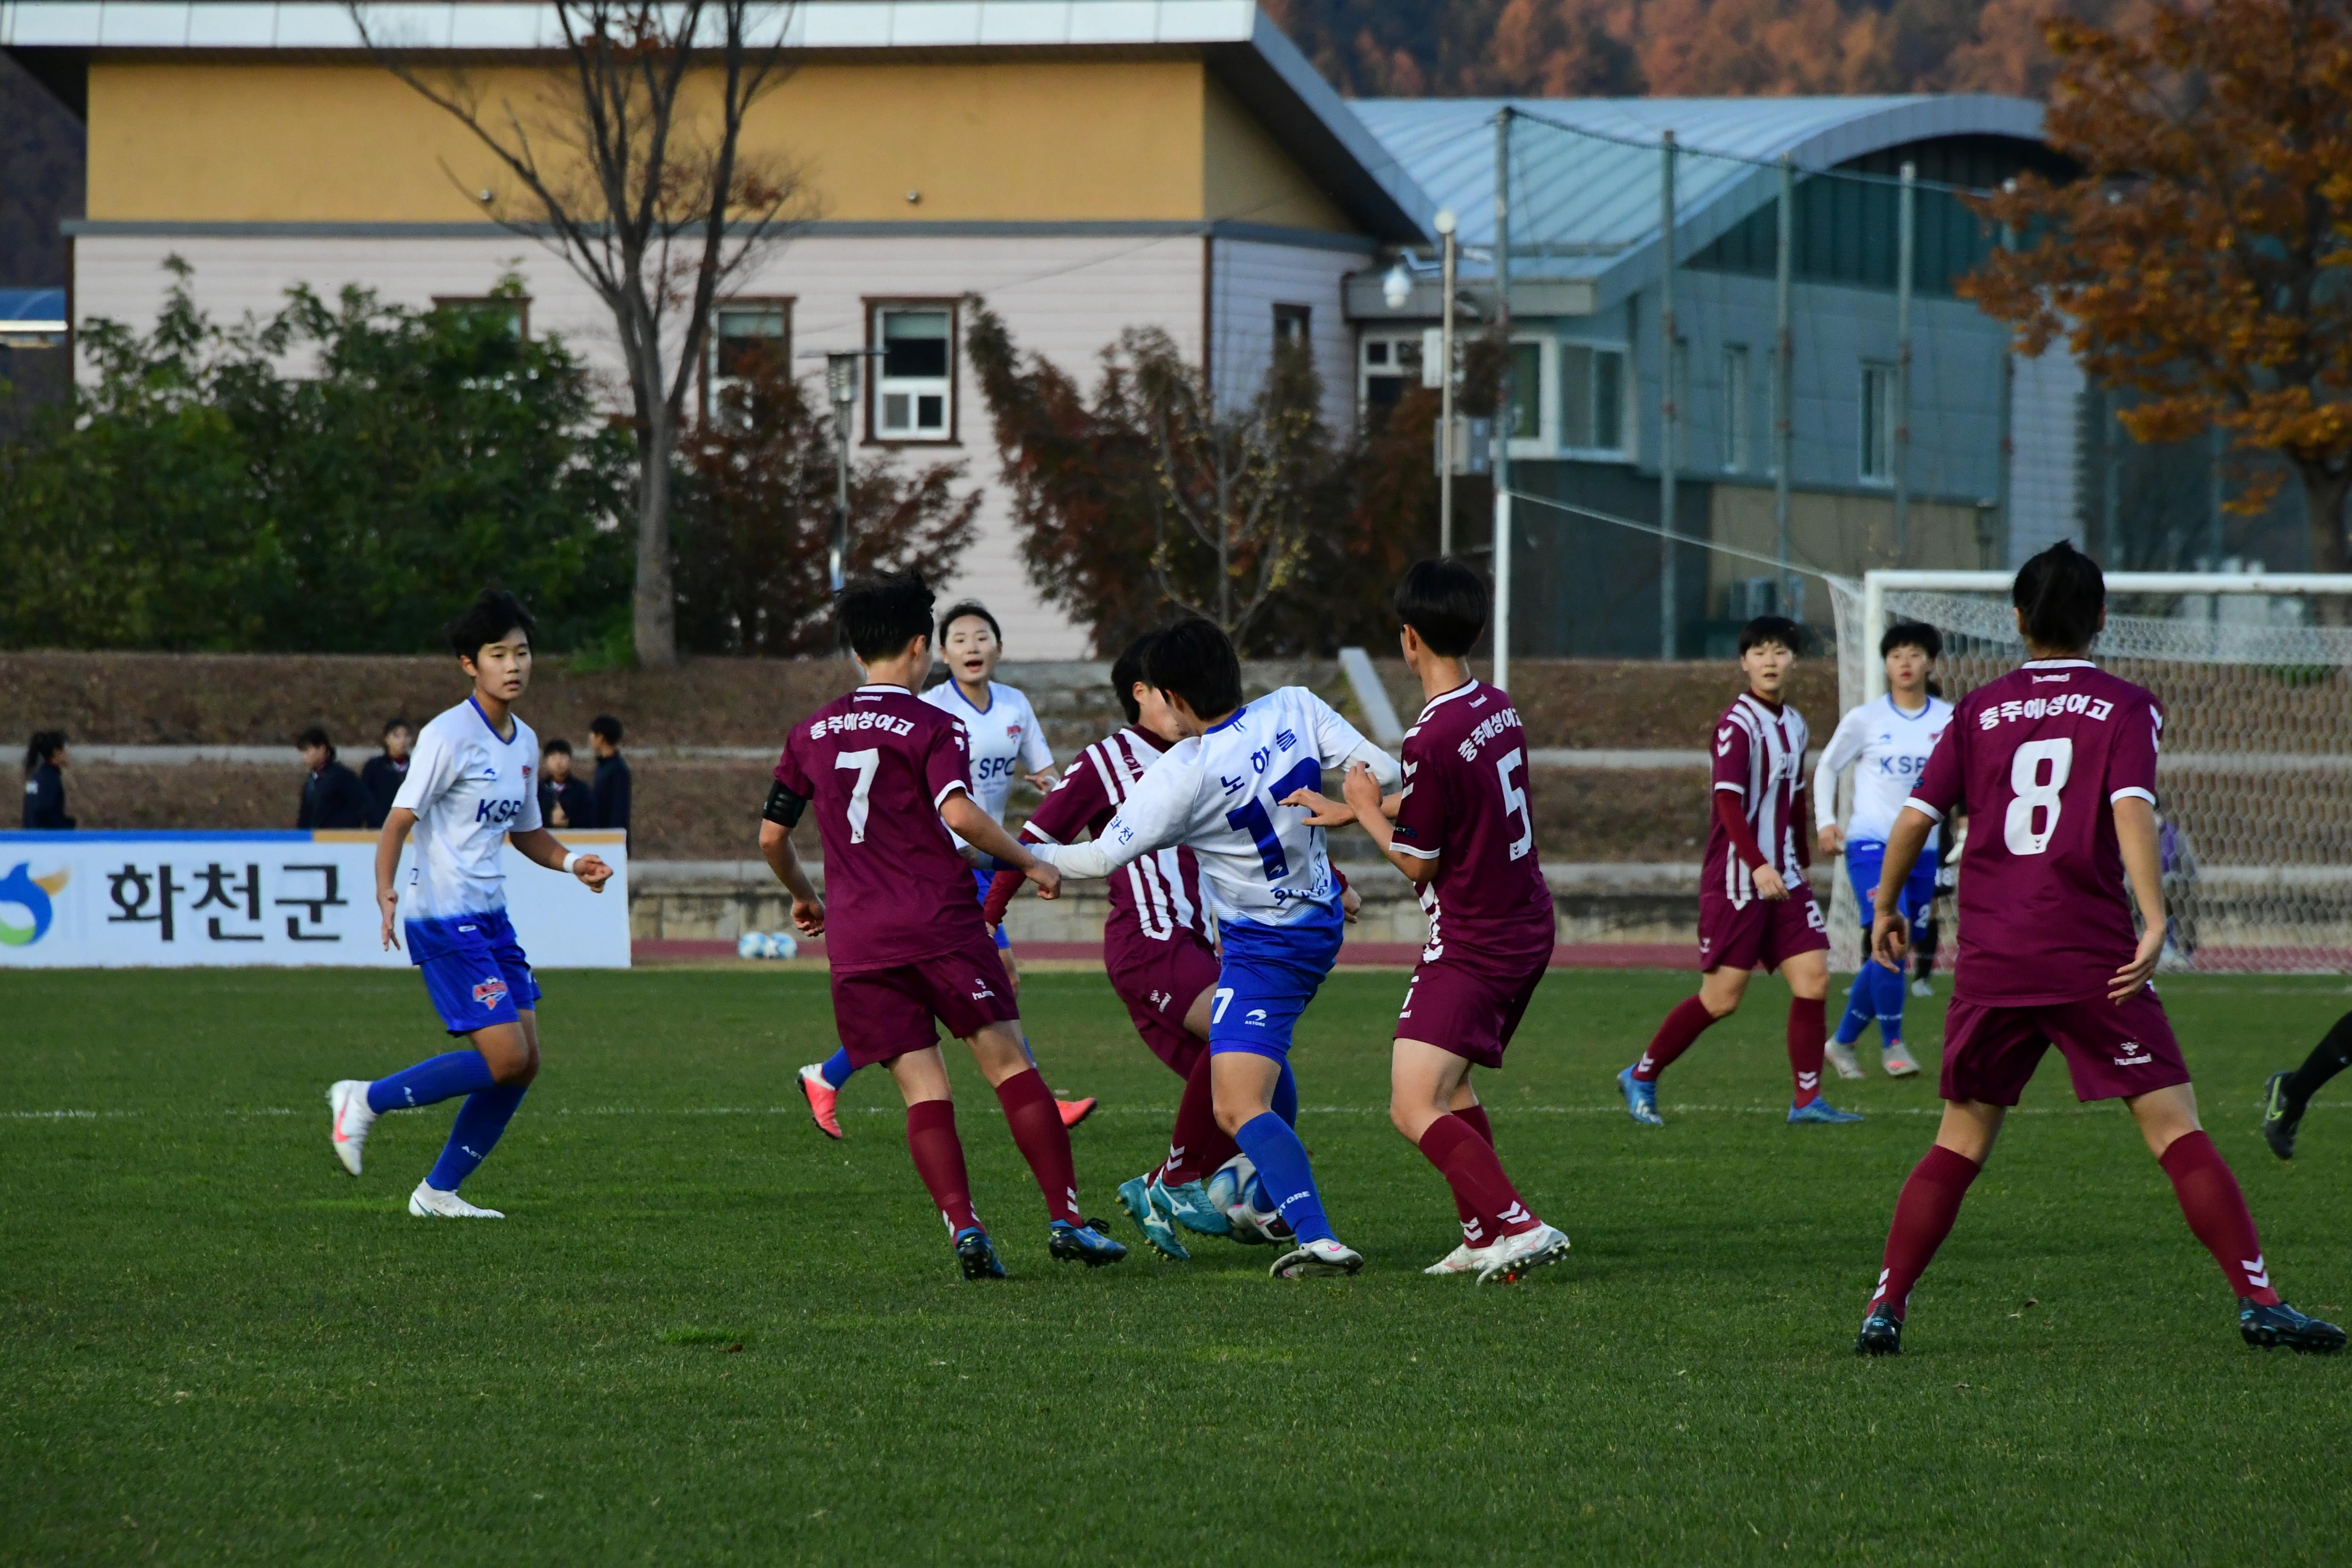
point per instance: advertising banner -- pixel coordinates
(111, 901)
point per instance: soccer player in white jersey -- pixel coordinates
(1886, 743)
(1006, 740)
(468, 793)
(1236, 789)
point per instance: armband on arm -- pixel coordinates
(784, 807)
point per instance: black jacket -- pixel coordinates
(612, 792)
(382, 778)
(579, 803)
(333, 798)
(45, 799)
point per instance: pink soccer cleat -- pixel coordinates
(1073, 1111)
(821, 1097)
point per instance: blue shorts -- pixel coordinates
(1268, 976)
(983, 878)
(1862, 862)
(475, 970)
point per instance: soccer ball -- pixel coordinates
(1234, 1188)
(767, 944)
(749, 944)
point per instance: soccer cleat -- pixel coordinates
(2282, 1119)
(2268, 1328)
(1190, 1202)
(1463, 1259)
(348, 1099)
(1882, 1334)
(1921, 988)
(1842, 1057)
(428, 1202)
(1325, 1256)
(976, 1254)
(1075, 1111)
(823, 1099)
(1641, 1100)
(1896, 1060)
(1082, 1243)
(1515, 1256)
(1820, 1111)
(1142, 1204)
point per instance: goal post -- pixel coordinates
(2255, 778)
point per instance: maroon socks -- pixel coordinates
(1688, 1022)
(1923, 1218)
(1037, 1123)
(1197, 1146)
(1808, 1030)
(2216, 1210)
(1489, 1206)
(938, 1160)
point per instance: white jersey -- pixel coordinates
(1006, 740)
(469, 789)
(1216, 794)
(1887, 749)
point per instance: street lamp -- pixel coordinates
(1396, 289)
(841, 388)
(1449, 259)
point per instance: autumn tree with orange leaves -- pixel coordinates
(2203, 260)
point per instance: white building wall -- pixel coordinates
(2045, 469)
(1251, 278)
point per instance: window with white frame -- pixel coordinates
(914, 381)
(743, 331)
(1527, 391)
(1877, 423)
(1388, 365)
(1736, 408)
(1592, 399)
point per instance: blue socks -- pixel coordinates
(430, 1081)
(481, 1120)
(836, 1069)
(1876, 998)
(1892, 988)
(1286, 1097)
(1289, 1180)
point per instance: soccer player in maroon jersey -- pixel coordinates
(1754, 907)
(2056, 761)
(888, 774)
(1464, 835)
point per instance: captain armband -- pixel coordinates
(784, 807)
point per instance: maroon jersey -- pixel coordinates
(1759, 756)
(875, 766)
(1465, 807)
(2038, 759)
(1153, 898)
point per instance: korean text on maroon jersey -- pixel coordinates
(1466, 806)
(875, 766)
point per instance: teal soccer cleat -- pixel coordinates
(2269, 1328)
(1082, 1243)
(1882, 1334)
(1641, 1100)
(1141, 1197)
(1189, 1203)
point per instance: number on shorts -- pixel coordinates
(1515, 800)
(864, 762)
(2030, 797)
(1225, 999)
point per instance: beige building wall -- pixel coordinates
(1843, 535)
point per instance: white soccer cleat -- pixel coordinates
(1515, 1256)
(1842, 1057)
(1898, 1061)
(1921, 988)
(1325, 1256)
(1463, 1259)
(348, 1101)
(431, 1203)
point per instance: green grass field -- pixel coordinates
(706, 1333)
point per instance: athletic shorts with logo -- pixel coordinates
(1469, 999)
(1268, 976)
(1764, 934)
(1862, 859)
(474, 969)
(882, 1014)
(2112, 1049)
(1158, 981)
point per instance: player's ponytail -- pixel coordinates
(46, 744)
(2061, 598)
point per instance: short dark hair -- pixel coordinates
(880, 618)
(1195, 661)
(2063, 597)
(1772, 628)
(493, 613)
(45, 744)
(605, 726)
(1125, 671)
(559, 746)
(1912, 634)
(1444, 602)
(315, 736)
(963, 607)
(398, 723)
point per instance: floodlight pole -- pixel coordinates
(1506, 406)
(2006, 479)
(1782, 386)
(1907, 224)
(841, 390)
(1448, 257)
(1668, 609)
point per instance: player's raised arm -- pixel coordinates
(1156, 814)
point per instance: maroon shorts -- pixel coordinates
(880, 1014)
(1471, 1006)
(2113, 1049)
(1159, 981)
(1764, 934)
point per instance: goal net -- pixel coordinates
(2255, 778)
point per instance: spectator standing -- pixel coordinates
(612, 787)
(45, 782)
(331, 796)
(382, 774)
(564, 801)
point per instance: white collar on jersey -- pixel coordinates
(2058, 664)
(957, 687)
(878, 687)
(1926, 706)
(1464, 689)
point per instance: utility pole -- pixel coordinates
(2006, 480)
(1905, 228)
(1669, 632)
(1782, 386)
(1506, 407)
(1449, 256)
